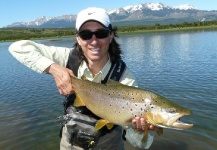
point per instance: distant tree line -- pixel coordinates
(35, 33)
(189, 25)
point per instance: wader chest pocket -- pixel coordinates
(81, 131)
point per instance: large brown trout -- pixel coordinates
(118, 104)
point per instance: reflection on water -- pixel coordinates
(178, 65)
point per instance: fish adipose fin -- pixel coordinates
(78, 102)
(101, 123)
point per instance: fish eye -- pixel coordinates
(171, 110)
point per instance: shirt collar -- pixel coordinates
(84, 70)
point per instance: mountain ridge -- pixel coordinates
(140, 14)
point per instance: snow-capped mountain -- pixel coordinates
(141, 14)
(148, 6)
(186, 7)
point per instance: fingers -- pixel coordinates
(139, 124)
(151, 127)
(71, 72)
(63, 83)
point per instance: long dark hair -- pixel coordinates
(114, 48)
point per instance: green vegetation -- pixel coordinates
(7, 34)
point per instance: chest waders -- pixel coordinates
(80, 121)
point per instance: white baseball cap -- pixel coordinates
(92, 13)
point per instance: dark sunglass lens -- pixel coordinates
(101, 34)
(85, 35)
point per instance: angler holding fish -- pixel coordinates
(106, 100)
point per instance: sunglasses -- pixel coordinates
(100, 34)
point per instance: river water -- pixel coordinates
(178, 65)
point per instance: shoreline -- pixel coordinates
(38, 37)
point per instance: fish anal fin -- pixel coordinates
(109, 125)
(159, 131)
(101, 123)
(78, 102)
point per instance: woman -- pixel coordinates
(97, 52)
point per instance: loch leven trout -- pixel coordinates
(118, 104)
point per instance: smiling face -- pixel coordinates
(95, 49)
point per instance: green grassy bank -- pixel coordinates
(11, 34)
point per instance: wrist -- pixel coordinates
(51, 69)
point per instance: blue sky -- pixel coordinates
(26, 10)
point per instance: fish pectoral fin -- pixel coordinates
(78, 102)
(159, 131)
(101, 123)
(145, 136)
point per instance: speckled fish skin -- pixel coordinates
(119, 104)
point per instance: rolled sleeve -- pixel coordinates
(37, 56)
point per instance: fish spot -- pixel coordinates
(131, 109)
(123, 107)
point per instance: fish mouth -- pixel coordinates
(175, 122)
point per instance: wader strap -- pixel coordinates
(118, 71)
(73, 62)
(115, 73)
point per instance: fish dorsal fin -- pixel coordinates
(83, 77)
(78, 102)
(102, 122)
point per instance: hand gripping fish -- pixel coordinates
(118, 104)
